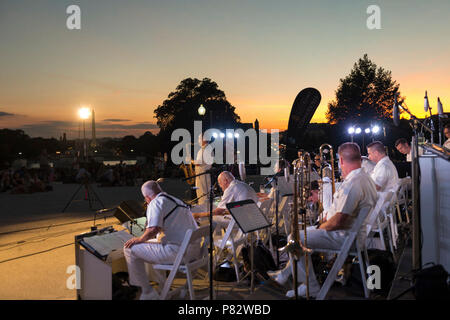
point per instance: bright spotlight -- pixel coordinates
(351, 130)
(236, 135)
(84, 113)
(367, 130)
(358, 130)
(229, 135)
(375, 129)
(215, 135)
(222, 135)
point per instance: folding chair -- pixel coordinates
(356, 237)
(265, 235)
(402, 198)
(188, 265)
(383, 223)
(232, 239)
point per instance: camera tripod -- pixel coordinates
(90, 194)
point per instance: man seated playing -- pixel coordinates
(356, 195)
(233, 190)
(168, 220)
(384, 174)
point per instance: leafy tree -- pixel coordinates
(180, 110)
(367, 93)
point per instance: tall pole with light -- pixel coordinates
(84, 114)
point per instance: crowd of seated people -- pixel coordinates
(25, 181)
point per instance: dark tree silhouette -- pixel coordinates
(366, 94)
(180, 110)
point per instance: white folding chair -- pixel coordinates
(265, 235)
(382, 224)
(197, 241)
(356, 238)
(233, 239)
(402, 198)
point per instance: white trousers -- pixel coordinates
(316, 238)
(203, 183)
(153, 253)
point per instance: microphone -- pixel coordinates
(106, 210)
(395, 114)
(440, 108)
(426, 104)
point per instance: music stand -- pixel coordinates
(249, 218)
(129, 211)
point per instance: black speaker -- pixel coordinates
(129, 210)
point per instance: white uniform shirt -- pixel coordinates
(447, 144)
(204, 159)
(357, 193)
(237, 191)
(176, 225)
(385, 175)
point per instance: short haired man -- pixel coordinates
(233, 190)
(356, 195)
(403, 147)
(168, 220)
(447, 135)
(384, 174)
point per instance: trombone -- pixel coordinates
(323, 174)
(302, 185)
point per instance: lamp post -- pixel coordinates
(84, 114)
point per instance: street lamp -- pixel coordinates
(201, 110)
(84, 114)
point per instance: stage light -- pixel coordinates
(358, 130)
(215, 135)
(351, 130)
(236, 135)
(222, 135)
(229, 135)
(367, 130)
(375, 129)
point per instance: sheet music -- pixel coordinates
(104, 244)
(249, 217)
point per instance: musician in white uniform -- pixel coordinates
(203, 163)
(356, 195)
(384, 174)
(233, 190)
(447, 135)
(168, 220)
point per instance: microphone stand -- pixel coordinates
(415, 168)
(211, 231)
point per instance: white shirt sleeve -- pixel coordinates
(380, 176)
(226, 198)
(155, 213)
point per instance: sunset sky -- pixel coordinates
(129, 55)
